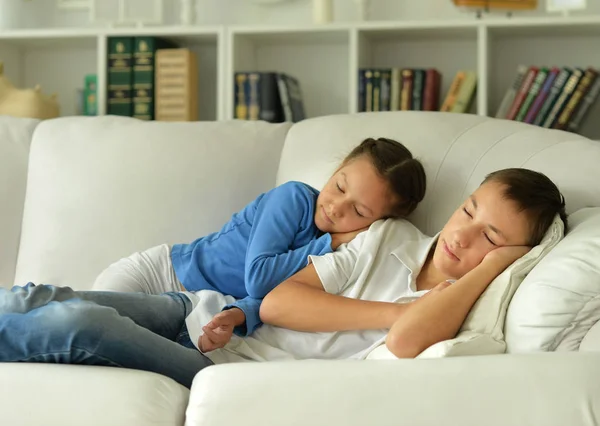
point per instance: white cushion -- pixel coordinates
(15, 138)
(102, 188)
(559, 301)
(76, 395)
(482, 330)
(498, 390)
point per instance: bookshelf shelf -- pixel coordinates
(325, 58)
(318, 57)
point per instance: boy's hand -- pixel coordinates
(218, 332)
(504, 256)
(344, 237)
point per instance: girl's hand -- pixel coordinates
(344, 237)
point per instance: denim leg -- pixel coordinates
(162, 314)
(77, 331)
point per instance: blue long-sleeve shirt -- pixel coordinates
(261, 246)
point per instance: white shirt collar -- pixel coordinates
(413, 255)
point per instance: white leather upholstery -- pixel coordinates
(457, 151)
(15, 137)
(75, 395)
(496, 390)
(102, 188)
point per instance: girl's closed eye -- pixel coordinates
(467, 212)
(339, 188)
(358, 213)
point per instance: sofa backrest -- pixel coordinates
(457, 150)
(15, 138)
(102, 188)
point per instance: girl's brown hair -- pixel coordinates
(396, 164)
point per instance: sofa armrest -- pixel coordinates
(540, 389)
(591, 341)
(76, 395)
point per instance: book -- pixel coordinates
(368, 90)
(510, 94)
(466, 93)
(144, 54)
(396, 89)
(385, 91)
(431, 93)
(563, 98)
(240, 96)
(90, 95)
(254, 95)
(418, 89)
(534, 90)
(581, 90)
(555, 90)
(176, 85)
(376, 90)
(522, 93)
(120, 76)
(542, 95)
(291, 98)
(453, 91)
(498, 4)
(584, 108)
(362, 87)
(406, 91)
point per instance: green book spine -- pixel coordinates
(144, 57)
(418, 87)
(555, 90)
(90, 102)
(533, 92)
(120, 76)
(563, 98)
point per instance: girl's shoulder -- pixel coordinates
(296, 189)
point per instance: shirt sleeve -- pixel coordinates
(281, 215)
(334, 269)
(251, 308)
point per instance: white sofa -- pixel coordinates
(79, 193)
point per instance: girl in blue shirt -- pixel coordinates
(271, 238)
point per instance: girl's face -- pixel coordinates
(353, 198)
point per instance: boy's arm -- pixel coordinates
(301, 303)
(437, 318)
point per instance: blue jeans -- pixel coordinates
(43, 323)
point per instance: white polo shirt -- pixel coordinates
(380, 264)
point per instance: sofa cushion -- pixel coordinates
(75, 395)
(102, 188)
(558, 303)
(15, 138)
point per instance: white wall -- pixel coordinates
(43, 14)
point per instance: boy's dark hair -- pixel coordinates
(395, 163)
(535, 194)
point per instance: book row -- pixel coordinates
(551, 97)
(406, 89)
(150, 78)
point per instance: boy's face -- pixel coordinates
(485, 221)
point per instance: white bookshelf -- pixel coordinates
(325, 58)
